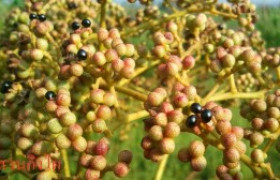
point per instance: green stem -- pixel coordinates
(66, 163)
(161, 167)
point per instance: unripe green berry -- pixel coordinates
(98, 163)
(85, 160)
(271, 124)
(104, 112)
(99, 59)
(111, 55)
(74, 131)
(121, 49)
(42, 44)
(273, 112)
(99, 126)
(228, 61)
(76, 69)
(79, 144)
(175, 116)
(54, 126)
(198, 163)
(172, 130)
(62, 142)
(196, 149)
(36, 54)
(24, 143)
(160, 119)
(259, 105)
(155, 133)
(223, 127)
(256, 139)
(97, 95)
(257, 156)
(232, 155)
(167, 145)
(109, 99)
(68, 119)
(155, 99)
(28, 130)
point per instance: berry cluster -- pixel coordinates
(73, 73)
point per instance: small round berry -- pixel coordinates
(86, 23)
(206, 115)
(199, 163)
(98, 162)
(167, 145)
(42, 17)
(257, 156)
(101, 147)
(196, 108)
(6, 86)
(62, 142)
(50, 95)
(33, 16)
(75, 25)
(183, 155)
(79, 144)
(82, 54)
(121, 169)
(125, 156)
(196, 149)
(191, 120)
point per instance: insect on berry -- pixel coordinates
(6, 86)
(196, 108)
(75, 25)
(206, 115)
(33, 16)
(86, 23)
(82, 54)
(50, 95)
(42, 17)
(191, 120)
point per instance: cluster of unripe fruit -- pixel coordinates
(63, 74)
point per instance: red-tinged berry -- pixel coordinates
(74, 131)
(155, 133)
(196, 149)
(121, 169)
(79, 144)
(101, 147)
(172, 130)
(98, 162)
(199, 163)
(167, 145)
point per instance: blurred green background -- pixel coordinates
(141, 169)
